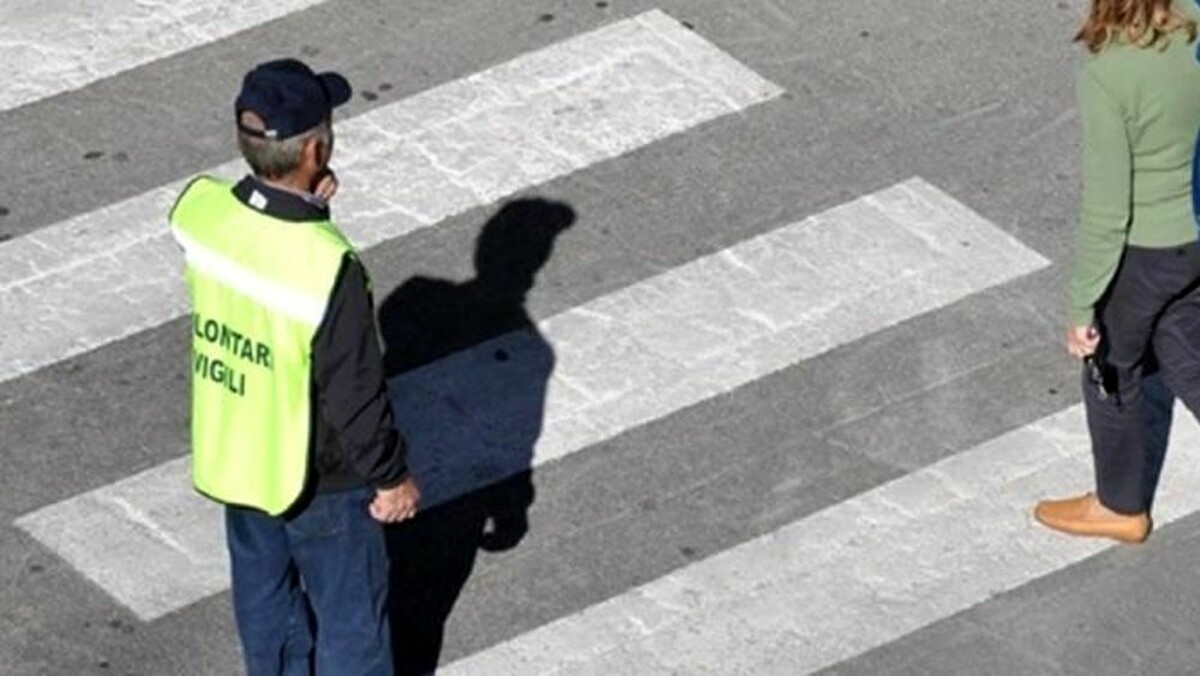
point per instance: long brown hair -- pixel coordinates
(1137, 22)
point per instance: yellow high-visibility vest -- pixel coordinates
(260, 287)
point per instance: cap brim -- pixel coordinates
(337, 87)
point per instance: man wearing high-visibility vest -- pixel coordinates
(291, 425)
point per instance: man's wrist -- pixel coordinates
(392, 483)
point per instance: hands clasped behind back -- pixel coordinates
(396, 504)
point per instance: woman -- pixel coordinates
(1133, 299)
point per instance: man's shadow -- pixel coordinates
(467, 374)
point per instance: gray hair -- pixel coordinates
(276, 158)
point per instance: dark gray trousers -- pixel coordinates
(1149, 321)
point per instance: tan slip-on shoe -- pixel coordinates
(1084, 515)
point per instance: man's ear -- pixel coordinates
(313, 154)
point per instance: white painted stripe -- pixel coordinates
(147, 540)
(625, 359)
(699, 331)
(856, 576)
(290, 302)
(99, 277)
(52, 46)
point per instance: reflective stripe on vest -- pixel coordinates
(259, 288)
(280, 298)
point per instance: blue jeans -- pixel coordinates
(310, 592)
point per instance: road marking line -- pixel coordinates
(641, 353)
(105, 275)
(53, 46)
(147, 540)
(855, 576)
(701, 330)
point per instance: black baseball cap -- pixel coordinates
(289, 97)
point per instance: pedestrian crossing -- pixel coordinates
(107, 274)
(618, 362)
(854, 576)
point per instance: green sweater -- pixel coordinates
(1140, 111)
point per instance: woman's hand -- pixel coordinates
(1082, 341)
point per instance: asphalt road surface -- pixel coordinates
(779, 401)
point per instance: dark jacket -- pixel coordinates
(354, 441)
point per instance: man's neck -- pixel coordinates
(293, 184)
(280, 202)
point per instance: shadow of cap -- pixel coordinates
(517, 241)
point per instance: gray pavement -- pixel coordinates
(976, 99)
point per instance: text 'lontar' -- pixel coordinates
(234, 343)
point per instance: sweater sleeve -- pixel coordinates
(1107, 197)
(348, 369)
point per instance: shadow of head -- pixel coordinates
(426, 319)
(516, 242)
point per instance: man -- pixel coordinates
(291, 425)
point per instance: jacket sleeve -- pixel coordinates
(348, 373)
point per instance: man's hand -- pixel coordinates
(327, 185)
(395, 504)
(1082, 341)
